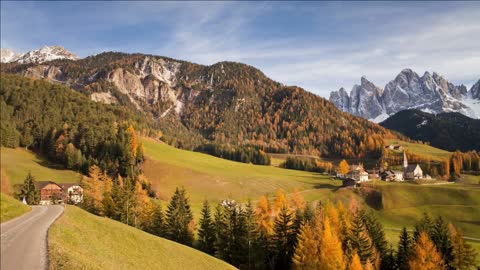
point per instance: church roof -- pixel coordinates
(411, 168)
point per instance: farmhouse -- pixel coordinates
(73, 193)
(357, 173)
(48, 190)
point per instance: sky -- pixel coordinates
(320, 46)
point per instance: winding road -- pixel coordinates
(24, 239)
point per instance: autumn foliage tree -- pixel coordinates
(425, 255)
(343, 167)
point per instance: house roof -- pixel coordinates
(68, 185)
(411, 167)
(42, 184)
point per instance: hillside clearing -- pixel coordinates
(16, 164)
(80, 240)
(424, 150)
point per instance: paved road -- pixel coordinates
(24, 239)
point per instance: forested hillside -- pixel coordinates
(67, 127)
(227, 104)
(449, 131)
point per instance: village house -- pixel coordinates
(394, 147)
(49, 190)
(73, 193)
(357, 173)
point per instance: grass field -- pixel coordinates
(436, 154)
(215, 179)
(11, 208)
(16, 163)
(80, 240)
(212, 178)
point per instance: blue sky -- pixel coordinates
(320, 46)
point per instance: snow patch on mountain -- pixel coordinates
(38, 56)
(430, 93)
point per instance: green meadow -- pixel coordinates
(16, 163)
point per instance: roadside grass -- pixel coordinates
(16, 163)
(469, 179)
(436, 154)
(11, 208)
(80, 240)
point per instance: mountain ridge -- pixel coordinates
(227, 103)
(430, 93)
(37, 56)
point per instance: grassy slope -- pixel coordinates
(80, 240)
(422, 149)
(208, 177)
(11, 208)
(18, 162)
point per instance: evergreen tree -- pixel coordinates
(440, 236)
(424, 225)
(29, 191)
(158, 221)
(404, 250)
(254, 261)
(206, 232)
(179, 219)
(358, 238)
(284, 238)
(389, 260)
(376, 233)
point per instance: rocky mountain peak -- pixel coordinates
(431, 93)
(38, 56)
(7, 55)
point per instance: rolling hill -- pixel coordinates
(80, 240)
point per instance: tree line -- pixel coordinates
(286, 233)
(245, 154)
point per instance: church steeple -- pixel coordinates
(405, 161)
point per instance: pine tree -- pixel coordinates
(462, 253)
(424, 225)
(440, 236)
(389, 261)
(425, 256)
(179, 218)
(331, 253)
(358, 238)
(158, 222)
(206, 232)
(284, 238)
(254, 258)
(376, 233)
(29, 190)
(404, 250)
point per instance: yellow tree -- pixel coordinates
(369, 266)
(343, 167)
(297, 201)
(331, 253)
(425, 255)
(264, 216)
(143, 207)
(93, 190)
(355, 263)
(331, 212)
(306, 250)
(463, 254)
(133, 140)
(280, 200)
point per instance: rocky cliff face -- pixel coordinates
(430, 92)
(474, 92)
